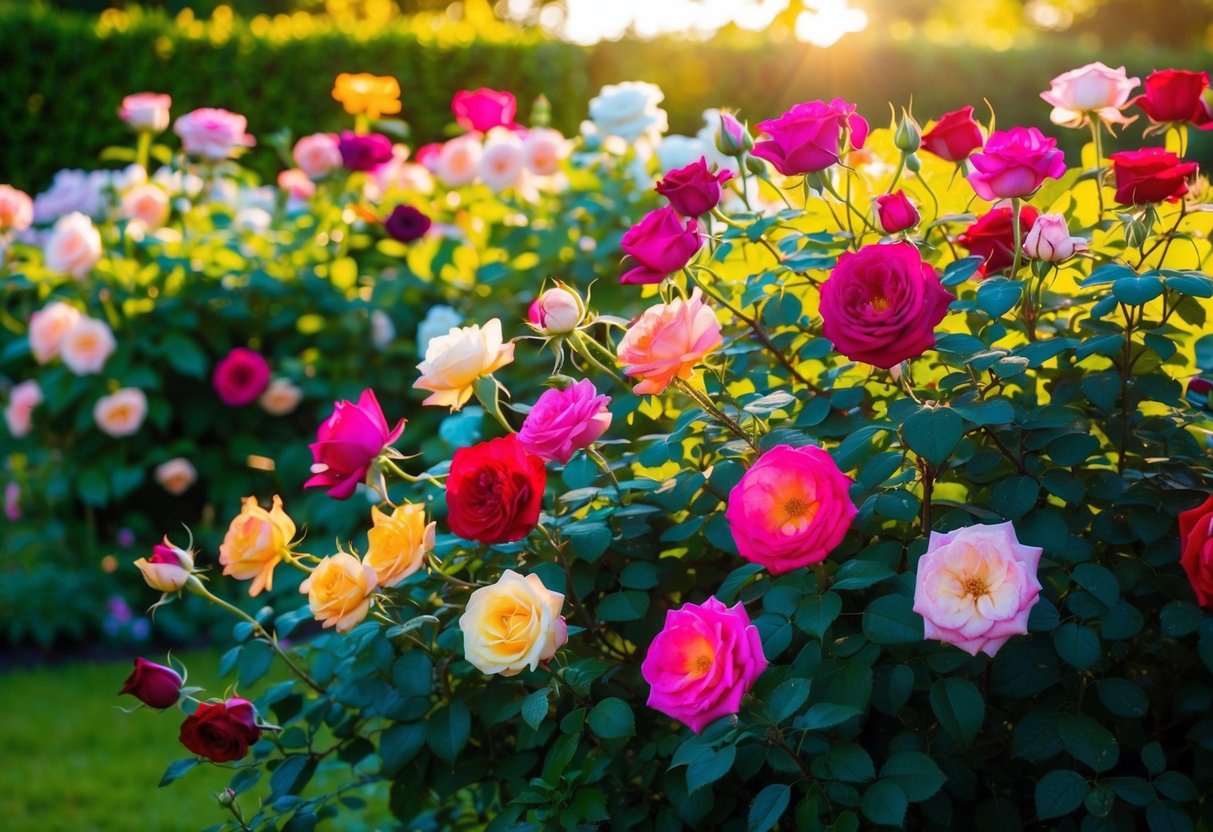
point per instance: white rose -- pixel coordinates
(456, 361)
(629, 111)
(679, 151)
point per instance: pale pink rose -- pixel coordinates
(563, 422)
(667, 342)
(18, 413)
(297, 184)
(147, 203)
(543, 149)
(73, 247)
(317, 155)
(16, 209)
(503, 161)
(176, 475)
(281, 397)
(146, 111)
(976, 587)
(12, 502)
(121, 413)
(1093, 88)
(1050, 240)
(47, 328)
(459, 161)
(557, 311)
(87, 346)
(212, 133)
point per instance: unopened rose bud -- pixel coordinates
(732, 139)
(755, 165)
(541, 112)
(155, 685)
(1050, 240)
(169, 567)
(557, 311)
(908, 136)
(896, 212)
(913, 163)
(226, 797)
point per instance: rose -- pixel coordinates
(881, 304)
(347, 443)
(16, 209)
(212, 133)
(895, 212)
(512, 625)
(365, 94)
(86, 346)
(809, 137)
(1015, 163)
(705, 659)
(1196, 550)
(146, 111)
(73, 247)
(12, 502)
(667, 341)
(153, 684)
(494, 491)
(483, 109)
(557, 311)
(458, 162)
(1151, 174)
(543, 149)
(148, 204)
(1094, 89)
(18, 413)
(1176, 95)
(629, 111)
(406, 224)
(339, 591)
(398, 543)
(169, 568)
(954, 136)
(47, 327)
(176, 475)
(281, 397)
(1050, 240)
(121, 413)
(976, 586)
(240, 377)
(296, 184)
(993, 236)
(455, 361)
(72, 190)
(317, 155)
(678, 151)
(693, 190)
(502, 162)
(221, 731)
(439, 320)
(364, 152)
(731, 136)
(256, 541)
(659, 245)
(564, 421)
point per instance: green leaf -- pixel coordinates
(997, 296)
(176, 769)
(254, 662)
(933, 433)
(860, 574)
(958, 706)
(788, 698)
(1058, 793)
(400, 743)
(768, 807)
(708, 769)
(535, 707)
(850, 763)
(628, 605)
(1088, 742)
(885, 804)
(891, 619)
(817, 612)
(914, 773)
(1078, 646)
(447, 730)
(1163, 818)
(1123, 698)
(183, 355)
(292, 775)
(413, 674)
(961, 270)
(1137, 290)
(1177, 786)
(825, 715)
(588, 541)
(1190, 283)
(612, 718)
(1100, 344)
(1179, 618)
(1015, 496)
(1099, 582)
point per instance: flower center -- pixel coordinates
(797, 513)
(879, 303)
(703, 664)
(974, 586)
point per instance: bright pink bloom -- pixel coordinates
(693, 190)
(348, 442)
(240, 377)
(1196, 550)
(212, 133)
(1176, 95)
(809, 137)
(896, 212)
(564, 421)
(1015, 163)
(954, 136)
(484, 109)
(659, 245)
(153, 684)
(667, 342)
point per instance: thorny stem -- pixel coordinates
(436, 567)
(578, 343)
(720, 415)
(406, 476)
(605, 467)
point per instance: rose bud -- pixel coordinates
(732, 139)
(1050, 240)
(896, 212)
(659, 245)
(221, 731)
(406, 224)
(693, 190)
(169, 568)
(348, 442)
(146, 111)
(954, 136)
(557, 311)
(908, 136)
(993, 236)
(153, 684)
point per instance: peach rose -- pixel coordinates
(87, 346)
(74, 246)
(47, 328)
(147, 203)
(176, 475)
(281, 397)
(456, 361)
(18, 413)
(512, 625)
(543, 149)
(317, 155)
(16, 209)
(255, 543)
(398, 543)
(121, 413)
(339, 591)
(459, 161)
(503, 160)
(667, 342)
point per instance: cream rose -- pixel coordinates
(512, 625)
(455, 361)
(74, 246)
(339, 591)
(87, 346)
(121, 413)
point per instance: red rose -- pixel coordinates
(993, 237)
(693, 190)
(1176, 95)
(1196, 549)
(954, 136)
(494, 491)
(221, 731)
(153, 684)
(1151, 174)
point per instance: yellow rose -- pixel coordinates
(363, 93)
(512, 625)
(169, 568)
(255, 542)
(455, 361)
(398, 543)
(339, 591)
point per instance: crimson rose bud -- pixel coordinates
(1151, 174)
(954, 136)
(364, 152)
(221, 731)
(348, 442)
(896, 212)
(993, 237)
(659, 245)
(406, 224)
(153, 684)
(1176, 95)
(494, 491)
(693, 190)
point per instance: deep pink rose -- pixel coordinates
(1196, 549)
(563, 422)
(790, 509)
(896, 212)
(1151, 174)
(347, 442)
(153, 684)
(221, 731)
(484, 109)
(1176, 95)
(406, 224)
(659, 245)
(808, 137)
(240, 377)
(701, 664)
(954, 136)
(881, 304)
(364, 152)
(1015, 163)
(693, 190)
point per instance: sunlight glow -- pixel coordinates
(825, 21)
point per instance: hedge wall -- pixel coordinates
(64, 74)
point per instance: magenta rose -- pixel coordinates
(895, 212)
(809, 137)
(693, 190)
(1015, 163)
(881, 304)
(240, 377)
(564, 421)
(221, 731)
(659, 245)
(701, 664)
(153, 684)
(954, 136)
(364, 152)
(790, 509)
(484, 109)
(347, 442)
(406, 224)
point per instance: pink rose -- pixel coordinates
(503, 161)
(809, 137)
(16, 209)
(659, 245)
(1091, 89)
(87, 346)
(212, 133)
(1015, 163)
(18, 413)
(176, 475)
(881, 304)
(484, 109)
(1050, 240)
(147, 203)
(317, 155)
(348, 442)
(895, 212)
(667, 342)
(458, 162)
(790, 509)
(557, 311)
(121, 413)
(976, 586)
(296, 183)
(543, 149)
(564, 421)
(73, 247)
(155, 685)
(12, 502)
(693, 190)
(240, 377)
(701, 664)
(146, 111)
(1196, 550)
(47, 328)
